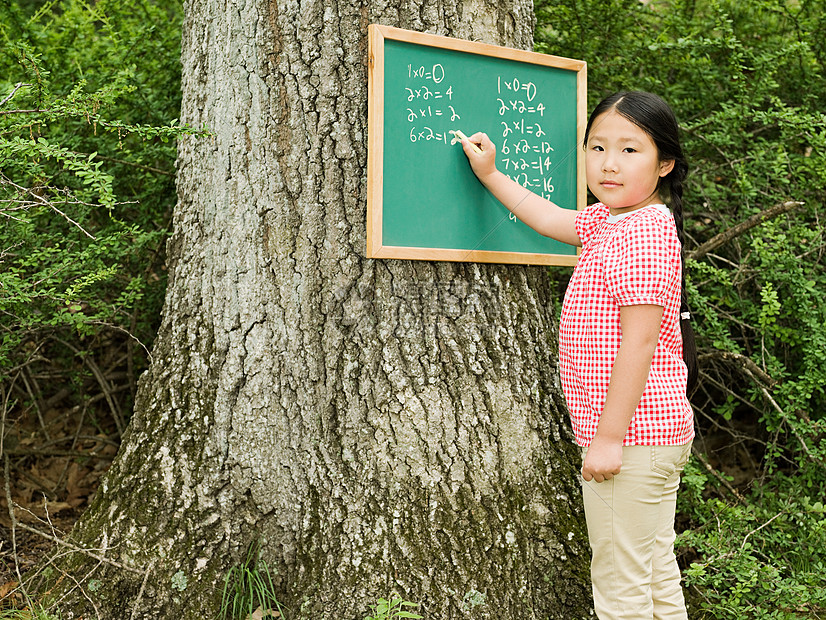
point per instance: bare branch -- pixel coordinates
(17, 87)
(39, 200)
(136, 605)
(14, 525)
(721, 479)
(801, 441)
(88, 552)
(127, 332)
(80, 454)
(33, 111)
(138, 166)
(743, 362)
(105, 386)
(79, 227)
(735, 231)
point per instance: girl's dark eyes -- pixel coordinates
(627, 149)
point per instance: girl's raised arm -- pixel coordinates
(542, 215)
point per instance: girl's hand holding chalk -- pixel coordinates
(481, 154)
(458, 136)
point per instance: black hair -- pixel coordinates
(656, 118)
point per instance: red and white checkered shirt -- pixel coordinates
(629, 259)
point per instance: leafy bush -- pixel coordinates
(89, 97)
(392, 608)
(746, 80)
(760, 559)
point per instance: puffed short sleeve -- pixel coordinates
(642, 260)
(588, 222)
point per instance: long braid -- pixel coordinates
(676, 178)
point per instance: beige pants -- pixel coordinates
(631, 530)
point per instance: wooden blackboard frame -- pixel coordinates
(376, 151)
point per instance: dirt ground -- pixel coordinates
(52, 461)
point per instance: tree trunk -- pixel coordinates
(375, 426)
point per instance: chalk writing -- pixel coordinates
(515, 85)
(436, 106)
(525, 156)
(435, 73)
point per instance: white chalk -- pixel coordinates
(459, 136)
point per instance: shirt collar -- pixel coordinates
(613, 219)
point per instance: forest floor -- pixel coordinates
(52, 463)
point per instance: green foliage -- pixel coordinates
(89, 97)
(249, 587)
(38, 613)
(747, 82)
(762, 559)
(394, 607)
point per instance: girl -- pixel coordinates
(623, 337)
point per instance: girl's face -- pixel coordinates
(622, 164)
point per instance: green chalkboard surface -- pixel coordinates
(424, 202)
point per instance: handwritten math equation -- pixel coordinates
(524, 151)
(429, 97)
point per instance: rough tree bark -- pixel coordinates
(376, 426)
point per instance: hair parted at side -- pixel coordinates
(654, 116)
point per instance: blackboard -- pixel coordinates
(424, 201)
